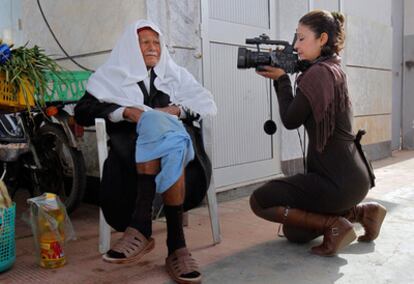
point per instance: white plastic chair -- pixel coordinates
(105, 229)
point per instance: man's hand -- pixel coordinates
(174, 110)
(132, 114)
(271, 72)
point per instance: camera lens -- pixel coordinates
(242, 57)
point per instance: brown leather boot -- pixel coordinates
(337, 231)
(370, 215)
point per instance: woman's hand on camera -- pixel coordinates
(132, 114)
(271, 72)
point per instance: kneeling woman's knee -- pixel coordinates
(299, 235)
(254, 205)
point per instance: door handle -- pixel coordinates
(409, 64)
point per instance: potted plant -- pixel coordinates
(24, 68)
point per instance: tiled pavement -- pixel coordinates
(250, 251)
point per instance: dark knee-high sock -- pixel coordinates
(142, 215)
(175, 232)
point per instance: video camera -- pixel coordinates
(285, 58)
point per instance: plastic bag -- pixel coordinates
(51, 228)
(5, 201)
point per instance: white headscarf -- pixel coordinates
(116, 80)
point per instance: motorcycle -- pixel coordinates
(40, 152)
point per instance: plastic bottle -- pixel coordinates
(51, 234)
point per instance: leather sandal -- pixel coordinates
(182, 267)
(130, 247)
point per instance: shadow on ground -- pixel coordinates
(276, 261)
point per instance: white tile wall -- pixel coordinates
(370, 90)
(330, 5)
(372, 10)
(369, 43)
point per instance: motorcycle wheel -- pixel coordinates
(62, 171)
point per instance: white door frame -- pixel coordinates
(248, 173)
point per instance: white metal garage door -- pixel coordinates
(242, 152)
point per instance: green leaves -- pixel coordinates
(29, 65)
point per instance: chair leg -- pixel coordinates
(212, 208)
(185, 219)
(102, 146)
(104, 234)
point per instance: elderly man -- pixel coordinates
(152, 107)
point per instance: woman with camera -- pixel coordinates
(325, 200)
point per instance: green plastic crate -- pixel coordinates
(66, 86)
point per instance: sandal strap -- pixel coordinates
(181, 262)
(131, 243)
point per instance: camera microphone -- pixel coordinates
(270, 127)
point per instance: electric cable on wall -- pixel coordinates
(57, 41)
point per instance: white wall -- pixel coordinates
(369, 67)
(378, 11)
(288, 15)
(10, 13)
(409, 17)
(330, 5)
(5, 15)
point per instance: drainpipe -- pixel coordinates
(403, 78)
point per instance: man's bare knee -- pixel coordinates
(149, 168)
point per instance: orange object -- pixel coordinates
(52, 111)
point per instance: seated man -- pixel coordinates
(141, 93)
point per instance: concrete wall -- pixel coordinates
(86, 29)
(10, 25)
(369, 67)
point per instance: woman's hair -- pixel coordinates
(332, 23)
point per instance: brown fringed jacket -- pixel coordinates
(323, 107)
(325, 87)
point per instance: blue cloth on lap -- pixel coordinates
(161, 135)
